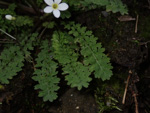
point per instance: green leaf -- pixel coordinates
(49, 24)
(77, 75)
(11, 62)
(45, 74)
(93, 53)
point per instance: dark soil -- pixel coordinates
(129, 53)
(20, 97)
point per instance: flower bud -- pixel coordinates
(9, 17)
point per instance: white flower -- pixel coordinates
(55, 7)
(9, 17)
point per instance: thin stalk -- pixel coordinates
(8, 34)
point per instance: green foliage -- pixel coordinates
(77, 73)
(6, 24)
(105, 101)
(39, 2)
(117, 6)
(79, 55)
(77, 51)
(46, 74)
(23, 21)
(111, 5)
(20, 22)
(11, 62)
(73, 50)
(92, 51)
(28, 43)
(79, 65)
(73, 2)
(65, 14)
(11, 58)
(49, 24)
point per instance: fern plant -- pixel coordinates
(79, 55)
(76, 50)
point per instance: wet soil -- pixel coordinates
(129, 53)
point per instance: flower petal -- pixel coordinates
(49, 2)
(56, 13)
(57, 1)
(63, 6)
(48, 9)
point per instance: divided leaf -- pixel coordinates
(63, 48)
(46, 74)
(11, 62)
(92, 52)
(77, 75)
(11, 59)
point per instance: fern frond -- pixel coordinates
(64, 49)
(92, 51)
(11, 62)
(78, 75)
(46, 74)
(28, 42)
(11, 59)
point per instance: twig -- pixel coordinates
(135, 93)
(137, 18)
(136, 103)
(125, 91)
(8, 34)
